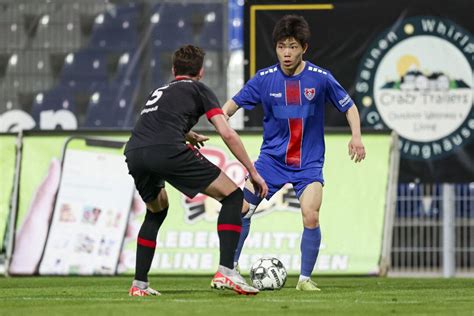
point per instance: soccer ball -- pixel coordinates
(268, 274)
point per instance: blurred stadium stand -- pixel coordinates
(56, 99)
(417, 246)
(51, 51)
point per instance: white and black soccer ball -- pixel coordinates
(268, 274)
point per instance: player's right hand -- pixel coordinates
(259, 185)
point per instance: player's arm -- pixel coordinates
(248, 97)
(233, 142)
(229, 108)
(356, 147)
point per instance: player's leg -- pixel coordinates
(190, 172)
(251, 202)
(310, 201)
(275, 178)
(156, 212)
(229, 225)
(151, 189)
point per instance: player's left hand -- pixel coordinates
(356, 149)
(195, 139)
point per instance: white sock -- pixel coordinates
(303, 278)
(140, 284)
(226, 271)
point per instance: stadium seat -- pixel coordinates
(89, 8)
(29, 62)
(31, 7)
(84, 69)
(116, 29)
(160, 68)
(213, 69)
(57, 99)
(199, 24)
(29, 71)
(115, 17)
(13, 37)
(182, 33)
(128, 68)
(213, 31)
(171, 16)
(110, 108)
(58, 32)
(114, 39)
(8, 99)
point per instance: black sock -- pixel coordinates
(146, 243)
(229, 225)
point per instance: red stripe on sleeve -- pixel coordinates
(213, 112)
(146, 243)
(235, 228)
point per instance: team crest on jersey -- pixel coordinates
(309, 93)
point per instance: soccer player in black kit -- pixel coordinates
(157, 152)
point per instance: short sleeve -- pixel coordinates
(209, 101)
(249, 96)
(337, 95)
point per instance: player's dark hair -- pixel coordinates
(187, 60)
(291, 26)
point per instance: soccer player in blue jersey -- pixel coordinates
(293, 94)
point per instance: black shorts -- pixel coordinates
(182, 166)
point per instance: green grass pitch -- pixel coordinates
(191, 295)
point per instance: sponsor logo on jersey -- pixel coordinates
(416, 78)
(344, 101)
(148, 110)
(309, 93)
(276, 95)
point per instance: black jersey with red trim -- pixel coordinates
(171, 111)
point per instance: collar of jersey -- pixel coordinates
(179, 78)
(296, 76)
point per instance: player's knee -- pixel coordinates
(311, 220)
(163, 200)
(235, 199)
(160, 203)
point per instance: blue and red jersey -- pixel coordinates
(293, 106)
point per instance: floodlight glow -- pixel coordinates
(211, 17)
(70, 58)
(99, 19)
(39, 98)
(14, 60)
(155, 18)
(45, 20)
(95, 97)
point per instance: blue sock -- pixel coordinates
(243, 235)
(310, 242)
(253, 201)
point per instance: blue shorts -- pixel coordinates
(276, 175)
